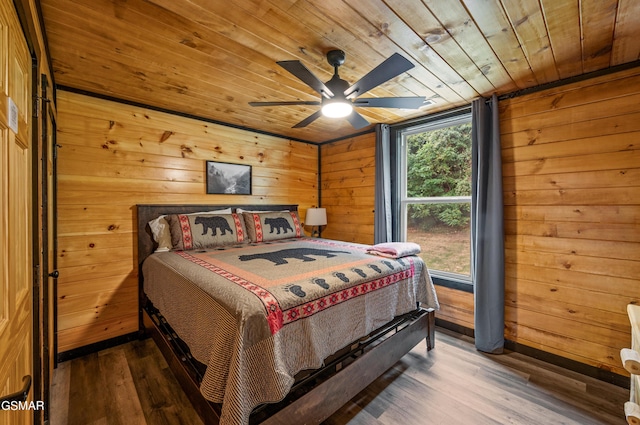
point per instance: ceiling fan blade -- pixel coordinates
(311, 118)
(391, 102)
(357, 120)
(301, 102)
(393, 66)
(299, 70)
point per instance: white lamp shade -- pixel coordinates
(316, 217)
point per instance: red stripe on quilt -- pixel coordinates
(277, 318)
(317, 305)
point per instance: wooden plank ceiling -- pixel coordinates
(210, 58)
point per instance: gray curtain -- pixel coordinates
(487, 227)
(382, 214)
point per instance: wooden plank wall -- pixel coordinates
(348, 181)
(571, 167)
(113, 156)
(571, 178)
(455, 306)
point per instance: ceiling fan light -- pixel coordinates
(337, 109)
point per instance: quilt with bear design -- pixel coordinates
(258, 314)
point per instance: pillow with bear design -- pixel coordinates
(206, 230)
(161, 233)
(270, 226)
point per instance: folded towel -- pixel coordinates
(394, 249)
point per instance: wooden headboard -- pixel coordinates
(146, 213)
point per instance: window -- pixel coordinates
(435, 194)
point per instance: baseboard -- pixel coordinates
(572, 365)
(584, 369)
(95, 347)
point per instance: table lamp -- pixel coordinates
(315, 218)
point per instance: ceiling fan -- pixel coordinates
(338, 98)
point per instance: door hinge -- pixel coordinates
(37, 106)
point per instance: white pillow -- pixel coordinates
(160, 229)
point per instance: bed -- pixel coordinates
(265, 325)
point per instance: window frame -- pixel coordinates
(441, 277)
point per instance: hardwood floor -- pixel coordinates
(453, 384)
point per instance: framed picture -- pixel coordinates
(226, 178)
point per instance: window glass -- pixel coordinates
(445, 247)
(436, 194)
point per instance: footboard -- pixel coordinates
(314, 396)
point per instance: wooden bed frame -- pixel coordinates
(314, 398)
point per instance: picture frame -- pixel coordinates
(225, 178)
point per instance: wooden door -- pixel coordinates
(16, 265)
